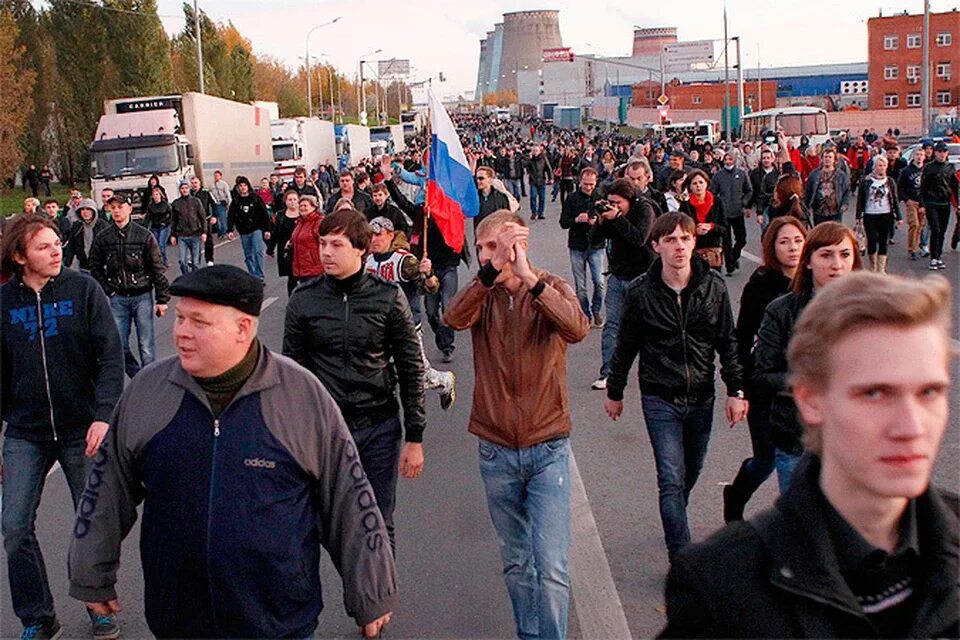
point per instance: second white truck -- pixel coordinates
(302, 142)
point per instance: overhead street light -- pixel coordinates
(307, 43)
(361, 101)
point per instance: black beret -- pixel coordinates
(222, 284)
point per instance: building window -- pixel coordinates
(913, 99)
(891, 72)
(943, 97)
(913, 41)
(891, 101)
(913, 74)
(944, 39)
(697, 100)
(943, 70)
(890, 43)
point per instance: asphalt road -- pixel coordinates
(449, 566)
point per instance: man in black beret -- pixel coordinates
(242, 458)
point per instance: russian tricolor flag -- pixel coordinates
(451, 191)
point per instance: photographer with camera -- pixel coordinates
(625, 220)
(586, 246)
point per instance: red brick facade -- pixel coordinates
(704, 95)
(896, 56)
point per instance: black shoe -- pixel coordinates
(533, 216)
(540, 217)
(732, 507)
(954, 241)
(50, 630)
(447, 357)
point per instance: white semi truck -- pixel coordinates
(356, 145)
(177, 137)
(302, 142)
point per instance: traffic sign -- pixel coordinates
(663, 100)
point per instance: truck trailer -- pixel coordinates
(177, 137)
(302, 142)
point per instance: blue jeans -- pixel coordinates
(679, 434)
(189, 247)
(379, 449)
(436, 304)
(785, 464)
(253, 249)
(221, 213)
(538, 196)
(513, 185)
(162, 236)
(616, 295)
(528, 494)
(139, 311)
(580, 259)
(25, 468)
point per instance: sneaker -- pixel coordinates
(533, 216)
(941, 265)
(933, 266)
(209, 263)
(891, 241)
(448, 393)
(913, 255)
(447, 357)
(104, 627)
(599, 384)
(924, 251)
(47, 631)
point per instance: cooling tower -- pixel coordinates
(525, 35)
(648, 42)
(482, 71)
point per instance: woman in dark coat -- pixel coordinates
(782, 248)
(283, 227)
(706, 210)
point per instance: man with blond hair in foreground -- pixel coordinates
(862, 545)
(521, 320)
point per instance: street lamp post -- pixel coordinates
(361, 99)
(307, 61)
(196, 23)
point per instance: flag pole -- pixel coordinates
(426, 199)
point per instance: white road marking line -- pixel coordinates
(266, 303)
(749, 256)
(598, 605)
(53, 469)
(220, 244)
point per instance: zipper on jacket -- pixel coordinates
(683, 340)
(123, 253)
(213, 475)
(346, 323)
(43, 357)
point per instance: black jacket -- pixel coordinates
(62, 361)
(127, 262)
(247, 214)
(347, 332)
(769, 381)
(630, 254)
(677, 337)
(538, 169)
(361, 201)
(938, 183)
(392, 213)
(189, 217)
(778, 575)
(206, 199)
(714, 237)
(582, 236)
(74, 247)
(493, 201)
(280, 237)
(157, 215)
(763, 184)
(892, 194)
(764, 286)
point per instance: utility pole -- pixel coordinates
(925, 87)
(759, 84)
(196, 23)
(740, 101)
(726, 79)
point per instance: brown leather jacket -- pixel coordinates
(519, 356)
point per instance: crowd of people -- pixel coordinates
(310, 443)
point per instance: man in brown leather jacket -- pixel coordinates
(521, 320)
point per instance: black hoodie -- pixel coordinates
(247, 214)
(62, 360)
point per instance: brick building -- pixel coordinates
(703, 95)
(896, 58)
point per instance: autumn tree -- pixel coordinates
(16, 106)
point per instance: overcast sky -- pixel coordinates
(443, 35)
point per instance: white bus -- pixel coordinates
(701, 131)
(794, 121)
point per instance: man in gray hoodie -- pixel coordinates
(732, 185)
